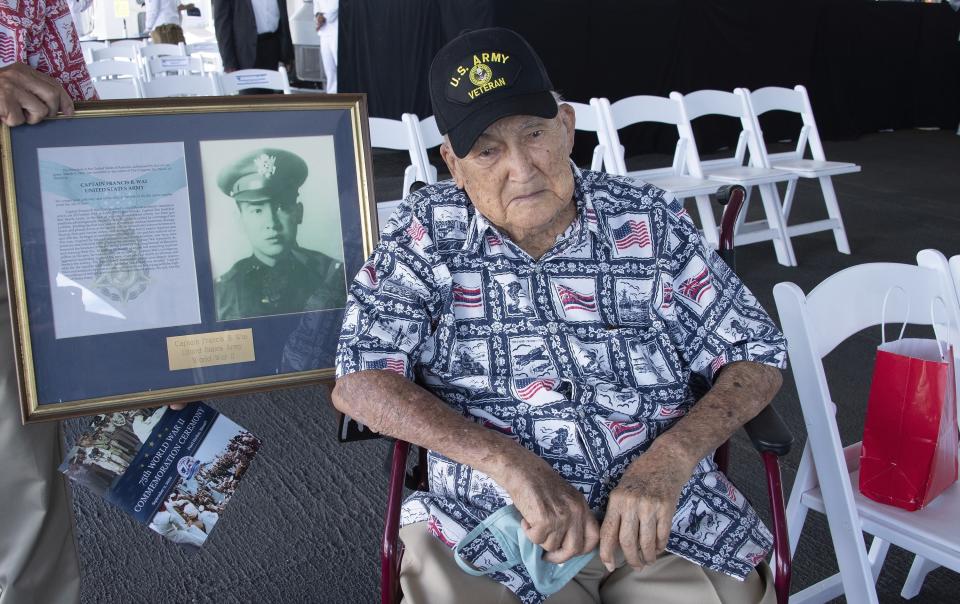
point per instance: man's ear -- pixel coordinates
(569, 119)
(453, 163)
(299, 213)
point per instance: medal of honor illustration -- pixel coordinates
(122, 273)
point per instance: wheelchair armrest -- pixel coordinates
(768, 432)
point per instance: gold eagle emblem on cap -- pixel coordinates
(480, 74)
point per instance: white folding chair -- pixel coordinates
(399, 135)
(120, 88)
(921, 566)
(180, 85)
(126, 43)
(165, 66)
(675, 179)
(116, 79)
(589, 119)
(827, 479)
(125, 53)
(244, 79)
(159, 50)
(795, 100)
(113, 69)
(735, 170)
(88, 46)
(209, 53)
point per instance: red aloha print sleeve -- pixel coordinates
(41, 34)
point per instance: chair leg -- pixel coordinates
(707, 222)
(833, 210)
(918, 572)
(742, 217)
(797, 512)
(876, 555)
(788, 199)
(774, 212)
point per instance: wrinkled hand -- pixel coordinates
(321, 21)
(555, 515)
(27, 95)
(641, 508)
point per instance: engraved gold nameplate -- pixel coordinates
(208, 349)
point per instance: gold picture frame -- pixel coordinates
(169, 250)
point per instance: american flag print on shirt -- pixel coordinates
(583, 355)
(389, 364)
(631, 236)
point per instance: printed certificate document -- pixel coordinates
(172, 470)
(119, 239)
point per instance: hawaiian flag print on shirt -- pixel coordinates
(697, 286)
(574, 300)
(631, 233)
(667, 295)
(527, 388)
(467, 297)
(591, 216)
(394, 365)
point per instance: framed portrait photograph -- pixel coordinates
(171, 250)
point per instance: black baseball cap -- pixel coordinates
(484, 75)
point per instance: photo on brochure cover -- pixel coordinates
(273, 222)
(173, 470)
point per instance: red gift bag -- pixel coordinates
(909, 452)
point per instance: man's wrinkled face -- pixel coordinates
(518, 172)
(271, 226)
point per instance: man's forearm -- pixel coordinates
(394, 406)
(740, 392)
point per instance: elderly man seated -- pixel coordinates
(537, 328)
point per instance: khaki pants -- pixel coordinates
(429, 574)
(38, 559)
(170, 33)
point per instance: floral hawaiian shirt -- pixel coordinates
(41, 34)
(584, 356)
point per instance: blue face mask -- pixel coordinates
(504, 524)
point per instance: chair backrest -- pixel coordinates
(165, 66)
(399, 135)
(125, 52)
(244, 79)
(426, 135)
(794, 100)
(209, 53)
(113, 69)
(126, 43)
(88, 46)
(158, 50)
(180, 85)
(120, 88)
(588, 118)
(638, 110)
(731, 104)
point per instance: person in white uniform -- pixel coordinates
(326, 12)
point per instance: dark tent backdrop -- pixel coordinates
(868, 65)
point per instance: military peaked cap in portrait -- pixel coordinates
(482, 76)
(263, 175)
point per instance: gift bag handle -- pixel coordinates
(933, 323)
(883, 314)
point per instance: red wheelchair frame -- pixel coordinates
(767, 432)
